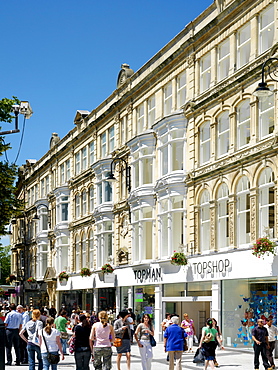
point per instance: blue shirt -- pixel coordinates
(175, 338)
(13, 320)
(25, 319)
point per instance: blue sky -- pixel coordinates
(65, 55)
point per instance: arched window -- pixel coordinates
(77, 253)
(77, 206)
(84, 202)
(91, 249)
(223, 134)
(222, 217)
(266, 203)
(204, 142)
(83, 251)
(243, 123)
(243, 211)
(205, 221)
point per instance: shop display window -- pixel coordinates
(144, 301)
(198, 288)
(174, 290)
(244, 302)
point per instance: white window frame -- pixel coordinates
(84, 158)
(151, 110)
(92, 152)
(140, 118)
(243, 124)
(181, 89)
(205, 72)
(223, 134)
(266, 117)
(168, 98)
(223, 59)
(204, 143)
(142, 244)
(91, 241)
(77, 163)
(104, 237)
(266, 207)
(205, 222)
(266, 28)
(243, 211)
(223, 217)
(243, 45)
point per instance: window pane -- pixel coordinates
(177, 155)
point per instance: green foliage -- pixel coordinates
(179, 258)
(9, 204)
(5, 263)
(6, 109)
(263, 247)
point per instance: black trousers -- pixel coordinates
(12, 339)
(260, 349)
(23, 349)
(269, 353)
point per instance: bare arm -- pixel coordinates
(22, 336)
(202, 338)
(60, 346)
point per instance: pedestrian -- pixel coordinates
(165, 322)
(13, 324)
(52, 312)
(60, 324)
(272, 332)
(101, 338)
(188, 325)
(93, 318)
(82, 353)
(49, 339)
(208, 343)
(32, 329)
(174, 337)
(122, 330)
(22, 342)
(260, 338)
(142, 336)
(215, 326)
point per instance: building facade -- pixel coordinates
(195, 156)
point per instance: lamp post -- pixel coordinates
(263, 91)
(111, 177)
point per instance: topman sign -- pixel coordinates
(148, 274)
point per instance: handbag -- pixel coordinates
(152, 341)
(71, 344)
(64, 335)
(208, 338)
(199, 356)
(51, 357)
(117, 342)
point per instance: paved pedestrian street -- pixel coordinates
(230, 359)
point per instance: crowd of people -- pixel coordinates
(37, 334)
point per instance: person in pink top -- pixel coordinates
(101, 338)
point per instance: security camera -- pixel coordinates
(25, 108)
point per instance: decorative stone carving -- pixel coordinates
(122, 256)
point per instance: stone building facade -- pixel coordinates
(200, 151)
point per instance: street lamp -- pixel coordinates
(36, 217)
(263, 91)
(111, 177)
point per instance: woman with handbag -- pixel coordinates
(188, 325)
(49, 339)
(82, 352)
(122, 331)
(102, 334)
(33, 327)
(208, 343)
(142, 336)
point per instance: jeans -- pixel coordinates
(104, 354)
(260, 349)
(82, 360)
(12, 339)
(45, 362)
(146, 354)
(32, 350)
(64, 345)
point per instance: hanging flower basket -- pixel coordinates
(31, 280)
(107, 269)
(10, 279)
(85, 272)
(179, 258)
(263, 247)
(63, 276)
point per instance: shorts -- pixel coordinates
(125, 347)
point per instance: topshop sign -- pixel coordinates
(212, 267)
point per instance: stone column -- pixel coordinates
(253, 215)
(216, 301)
(232, 221)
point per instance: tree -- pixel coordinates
(5, 263)
(9, 204)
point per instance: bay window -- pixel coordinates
(104, 238)
(91, 249)
(171, 149)
(62, 208)
(142, 166)
(142, 241)
(104, 189)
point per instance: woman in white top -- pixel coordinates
(101, 338)
(52, 338)
(142, 336)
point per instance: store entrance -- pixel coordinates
(107, 299)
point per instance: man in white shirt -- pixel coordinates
(272, 332)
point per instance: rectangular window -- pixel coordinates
(205, 143)
(47, 188)
(67, 169)
(103, 145)
(91, 195)
(266, 29)
(181, 89)
(84, 158)
(223, 59)
(205, 72)
(77, 163)
(65, 208)
(140, 119)
(42, 188)
(168, 98)
(243, 124)
(62, 173)
(223, 134)
(243, 45)
(123, 130)
(266, 116)
(92, 152)
(151, 111)
(111, 134)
